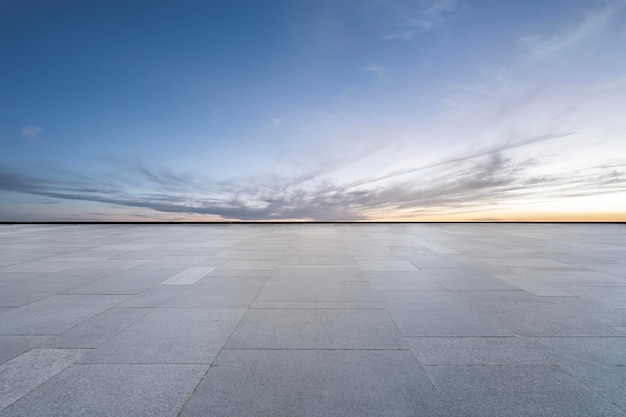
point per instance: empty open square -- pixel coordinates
(313, 320)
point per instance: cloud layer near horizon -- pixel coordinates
(472, 183)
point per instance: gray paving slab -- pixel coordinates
(533, 286)
(111, 390)
(318, 273)
(97, 330)
(318, 304)
(438, 313)
(466, 279)
(315, 383)
(170, 335)
(313, 290)
(608, 381)
(8, 278)
(55, 314)
(248, 265)
(28, 291)
(21, 375)
(188, 276)
(369, 265)
(317, 260)
(616, 269)
(130, 281)
(15, 345)
(503, 316)
(402, 281)
(517, 390)
(210, 297)
(481, 351)
(153, 297)
(612, 297)
(316, 329)
(604, 351)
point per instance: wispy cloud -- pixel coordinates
(275, 121)
(615, 83)
(593, 20)
(463, 184)
(29, 132)
(412, 17)
(377, 70)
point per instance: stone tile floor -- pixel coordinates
(313, 320)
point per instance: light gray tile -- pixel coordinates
(24, 373)
(315, 383)
(112, 390)
(188, 276)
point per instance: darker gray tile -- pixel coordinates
(466, 279)
(314, 290)
(97, 330)
(170, 335)
(435, 313)
(131, 281)
(480, 351)
(55, 314)
(316, 329)
(522, 390)
(315, 383)
(14, 345)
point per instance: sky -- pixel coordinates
(368, 110)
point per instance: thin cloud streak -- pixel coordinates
(593, 21)
(463, 184)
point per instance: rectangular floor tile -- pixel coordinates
(522, 390)
(29, 370)
(188, 276)
(170, 336)
(97, 330)
(56, 314)
(315, 383)
(316, 329)
(313, 290)
(438, 314)
(111, 390)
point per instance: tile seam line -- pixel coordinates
(184, 405)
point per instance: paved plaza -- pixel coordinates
(313, 320)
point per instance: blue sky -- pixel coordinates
(320, 110)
